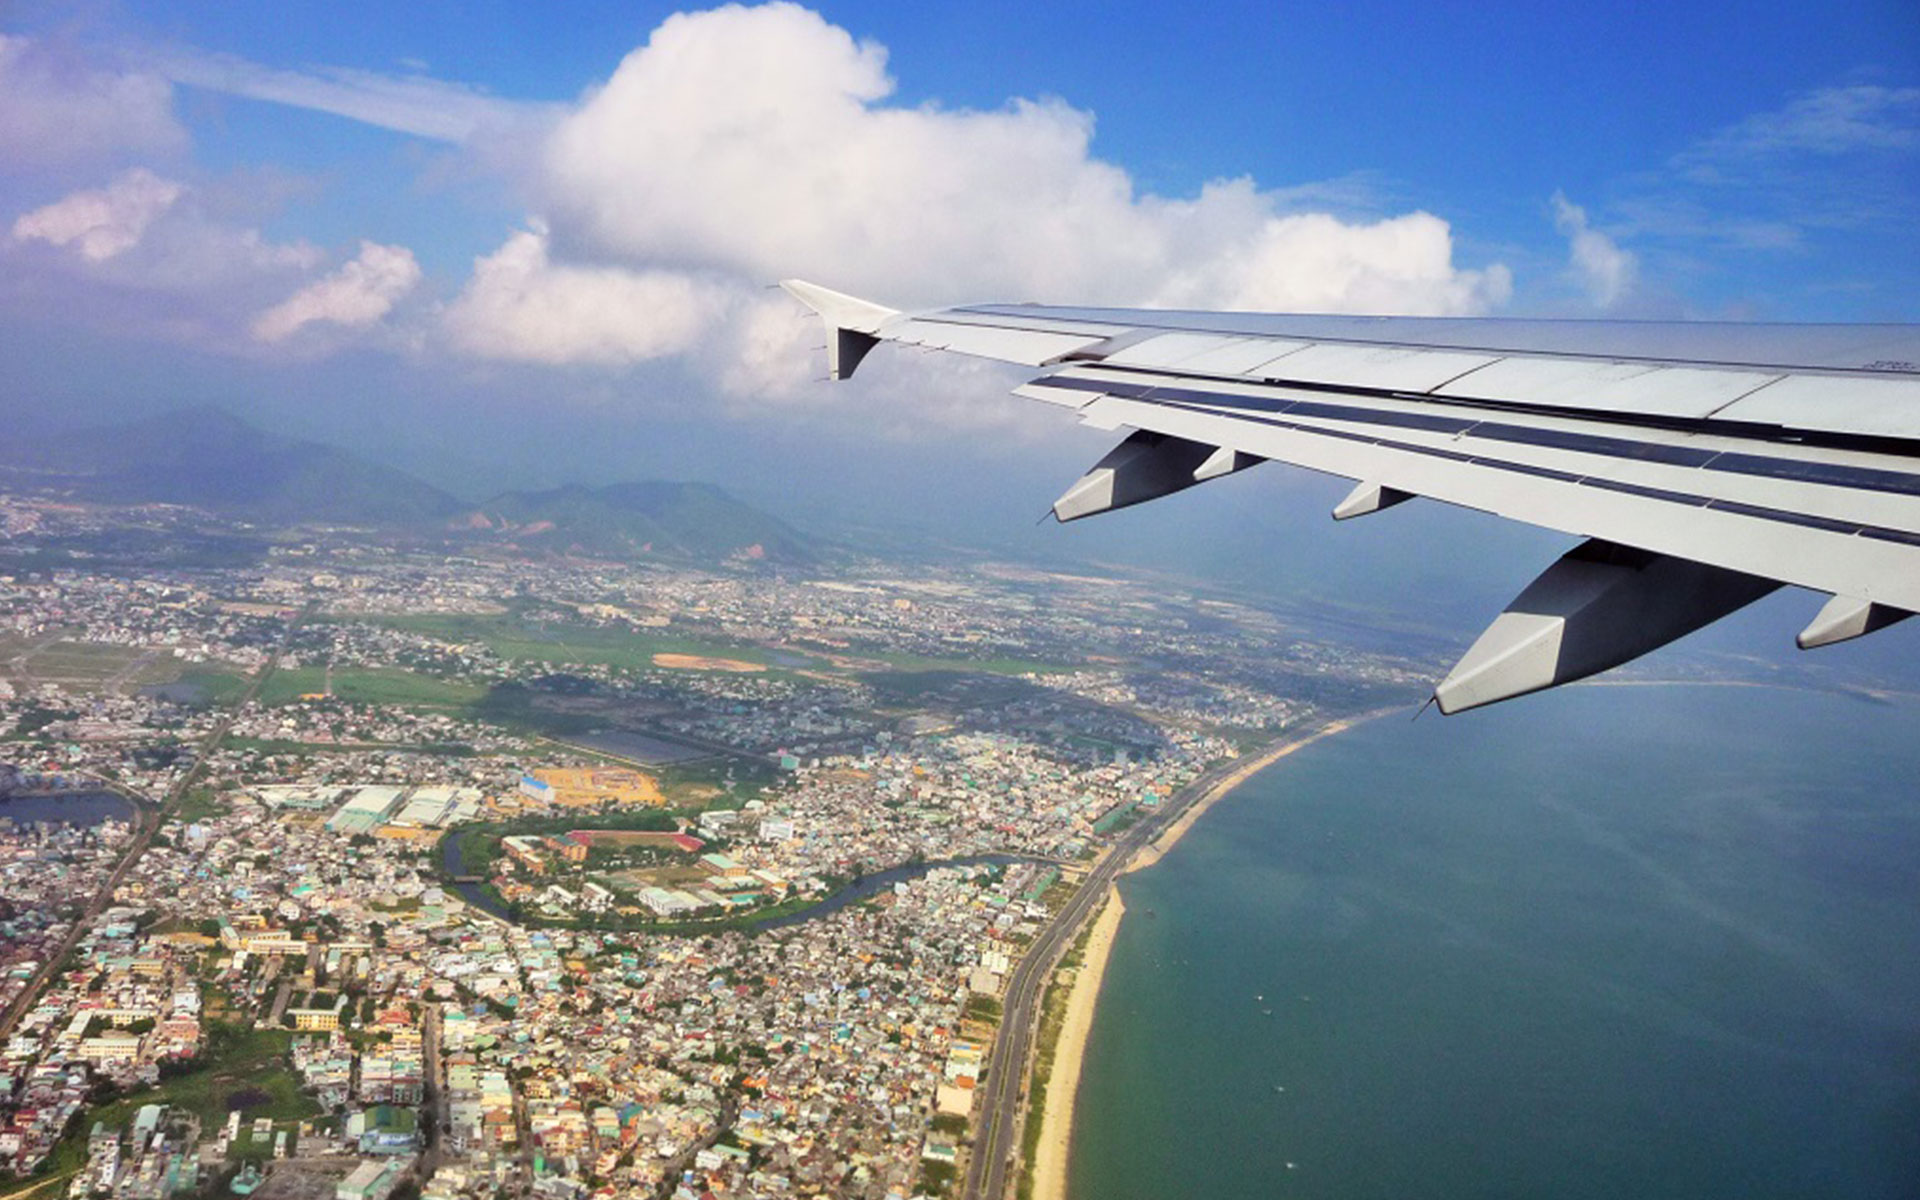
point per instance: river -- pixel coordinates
(860, 889)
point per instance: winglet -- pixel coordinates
(851, 323)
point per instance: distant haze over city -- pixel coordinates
(508, 254)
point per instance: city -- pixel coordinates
(464, 877)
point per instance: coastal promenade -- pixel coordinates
(997, 1123)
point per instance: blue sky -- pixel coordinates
(507, 246)
(1479, 114)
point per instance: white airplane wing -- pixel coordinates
(1706, 464)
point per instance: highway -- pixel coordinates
(997, 1124)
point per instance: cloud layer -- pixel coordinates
(759, 141)
(743, 145)
(358, 294)
(737, 146)
(521, 306)
(412, 104)
(58, 110)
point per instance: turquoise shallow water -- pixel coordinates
(1605, 942)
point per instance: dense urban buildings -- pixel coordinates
(560, 877)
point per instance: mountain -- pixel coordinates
(211, 459)
(627, 520)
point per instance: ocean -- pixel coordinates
(1609, 941)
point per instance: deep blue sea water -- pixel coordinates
(1604, 942)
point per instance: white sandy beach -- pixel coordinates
(1056, 1132)
(1050, 1160)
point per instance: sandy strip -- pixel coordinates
(1056, 1124)
(1152, 852)
(700, 662)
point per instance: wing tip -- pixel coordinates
(837, 309)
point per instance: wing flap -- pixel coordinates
(1615, 387)
(1867, 407)
(1374, 368)
(1524, 483)
(1196, 351)
(1027, 347)
(1784, 453)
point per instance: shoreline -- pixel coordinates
(1052, 1159)
(1056, 1121)
(1155, 850)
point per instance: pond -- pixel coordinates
(77, 807)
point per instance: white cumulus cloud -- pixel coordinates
(102, 222)
(759, 140)
(522, 306)
(1603, 270)
(359, 293)
(743, 145)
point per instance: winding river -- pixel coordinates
(860, 889)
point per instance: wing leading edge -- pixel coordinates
(1704, 464)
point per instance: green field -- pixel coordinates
(213, 686)
(568, 645)
(974, 666)
(512, 638)
(371, 685)
(85, 666)
(199, 804)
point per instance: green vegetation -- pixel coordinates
(88, 665)
(973, 681)
(200, 803)
(568, 644)
(239, 1068)
(936, 1177)
(43, 1185)
(1053, 1018)
(512, 706)
(214, 687)
(711, 783)
(479, 846)
(37, 717)
(984, 1008)
(982, 666)
(371, 685)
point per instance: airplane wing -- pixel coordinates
(1705, 464)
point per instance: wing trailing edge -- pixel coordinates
(1703, 464)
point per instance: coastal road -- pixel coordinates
(997, 1125)
(146, 825)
